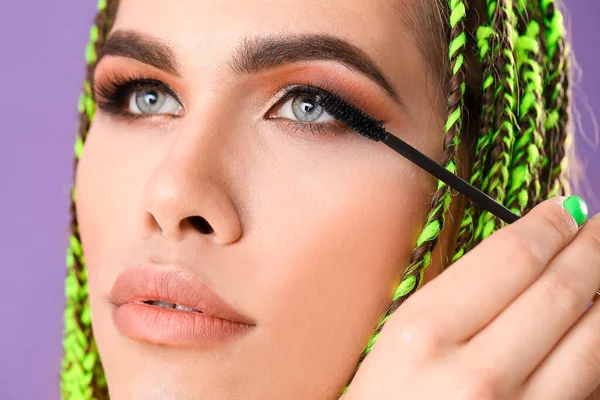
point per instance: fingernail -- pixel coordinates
(577, 208)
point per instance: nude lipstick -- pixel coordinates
(170, 306)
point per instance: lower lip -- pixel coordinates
(173, 327)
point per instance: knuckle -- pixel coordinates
(421, 345)
(559, 226)
(563, 292)
(594, 354)
(519, 253)
(592, 237)
(481, 384)
(588, 360)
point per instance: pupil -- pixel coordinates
(151, 97)
(307, 106)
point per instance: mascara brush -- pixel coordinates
(374, 130)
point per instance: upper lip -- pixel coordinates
(173, 285)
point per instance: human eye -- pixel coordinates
(132, 98)
(301, 106)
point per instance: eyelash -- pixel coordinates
(334, 127)
(112, 95)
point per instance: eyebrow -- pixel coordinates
(271, 52)
(253, 55)
(145, 49)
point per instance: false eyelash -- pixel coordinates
(112, 93)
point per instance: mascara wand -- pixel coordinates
(374, 130)
(450, 179)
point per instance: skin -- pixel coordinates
(311, 231)
(530, 334)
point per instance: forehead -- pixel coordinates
(207, 30)
(231, 17)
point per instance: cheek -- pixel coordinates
(109, 182)
(333, 244)
(96, 194)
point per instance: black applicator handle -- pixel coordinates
(454, 181)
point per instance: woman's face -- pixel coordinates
(300, 225)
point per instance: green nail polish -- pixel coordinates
(577, 208)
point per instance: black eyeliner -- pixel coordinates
(112, 94)
(316, 128)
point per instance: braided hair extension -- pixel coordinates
(82, 376)
(556, 97)
(496, 170)
(540, 149)
(525, 189)
(518, 150)
(485, 36)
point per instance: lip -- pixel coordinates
(217, 321)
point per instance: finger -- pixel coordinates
(572, 370)
(518, 340)
(493, 274)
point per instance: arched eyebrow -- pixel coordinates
(253, 55)
(143, 48)
(262, 53)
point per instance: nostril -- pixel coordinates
(201, 224)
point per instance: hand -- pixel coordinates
(506, 321)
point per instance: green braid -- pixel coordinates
(82, 376)
(537, 160)
(525, 189)
(497, 173)
(485, 37)
(556, 97)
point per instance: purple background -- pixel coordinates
(42, 69)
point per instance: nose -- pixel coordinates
(187, 195)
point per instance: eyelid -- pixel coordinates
(159, 85)
(113, 91)
(289, 89)
(105, 89)
(325, 87)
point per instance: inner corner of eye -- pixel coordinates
(273, 112)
